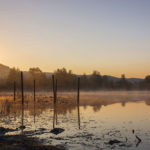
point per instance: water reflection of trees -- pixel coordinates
(11, 108)
(123, 104)
(97, 108)
(147, 102)
(65, 104)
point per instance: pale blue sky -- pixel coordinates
(111, 36)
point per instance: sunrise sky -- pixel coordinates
(111, 36)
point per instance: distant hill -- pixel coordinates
(115, 79)
(27, 74)
(133, 80)
(4, 71)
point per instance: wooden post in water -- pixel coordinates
(56, 101)
(34, 89)
(78, 90)
(15, 98)
(78, 99)
(53, 82)
(56, 91)
(54, 104)
(22, 96)
(14, 90)
(34, 97)
(22, 88)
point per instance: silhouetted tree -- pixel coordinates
(123, 83)
(66, 80)
(42, 81)
(146, 83)
(84, 82)
(14, 75)
(95, 80)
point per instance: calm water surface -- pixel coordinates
(101, 117)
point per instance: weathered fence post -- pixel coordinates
(55, 99)
(56, 102)
(56, 91)
(78, 98)
(53, 83)
(34, 89)
(22, 88)
(34, 84)
(22, 95)
(14, 90)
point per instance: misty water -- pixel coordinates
(103, 116)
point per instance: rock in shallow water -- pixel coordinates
(57, 131)
(111, 142)
(5, 130)
(22, 127)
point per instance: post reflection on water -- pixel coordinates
(34, 113)
(78, 116)
(105, 116)
(54, 115)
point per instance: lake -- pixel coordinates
(104, 119)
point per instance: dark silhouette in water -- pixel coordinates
(34, 98)
(22, 127)
(78, 99)
(55, 101)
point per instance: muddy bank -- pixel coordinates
(22, 142)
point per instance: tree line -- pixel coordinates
(67, 80)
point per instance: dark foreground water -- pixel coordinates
(104, 120)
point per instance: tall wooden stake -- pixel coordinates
(22, 95)
(78, 104)
(78, 91)
(56, 101)
(34, 97)
(53, 83)
(56, 91)
(22, 88)
(34, 89)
